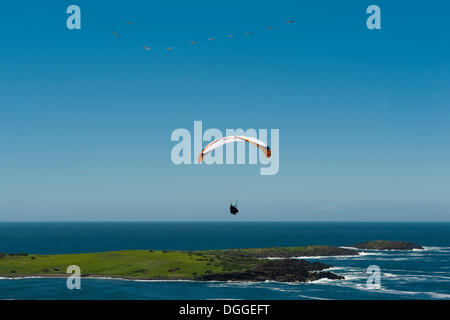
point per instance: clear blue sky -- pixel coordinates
(86, 118)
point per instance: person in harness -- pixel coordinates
(233, 208)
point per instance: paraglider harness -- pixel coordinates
(233, 208)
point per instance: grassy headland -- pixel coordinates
(171, 265)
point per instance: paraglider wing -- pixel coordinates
(220, 142)
(259, 144)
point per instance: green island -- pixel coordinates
(387, 245)
(208, 265)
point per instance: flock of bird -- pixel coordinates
(148, 48)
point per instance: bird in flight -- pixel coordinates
(115, 33)
(148, 48)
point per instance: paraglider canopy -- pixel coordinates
(220, 142)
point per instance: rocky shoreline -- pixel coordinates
(289, 252)
(284, 270)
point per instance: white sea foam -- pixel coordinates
(355, 277)
(30, 277)
(421, 277)
(280, 289)
(311, 297)
(325, 257)
(437, 295)
(362, 286)
(323, 280)
(389, 275)
(93, 278)
(236, 284)
(438, 249)
(350, 248)
(370, 253)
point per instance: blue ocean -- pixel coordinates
(417, 274)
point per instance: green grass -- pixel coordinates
(129, 263)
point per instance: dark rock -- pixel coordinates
(284, 270)
(289, 252)
(2, 255)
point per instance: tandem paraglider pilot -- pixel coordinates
(233, 208)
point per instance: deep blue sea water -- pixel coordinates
(418, 274)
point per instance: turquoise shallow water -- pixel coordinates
(418, 274)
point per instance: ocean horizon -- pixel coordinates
(81, 237)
